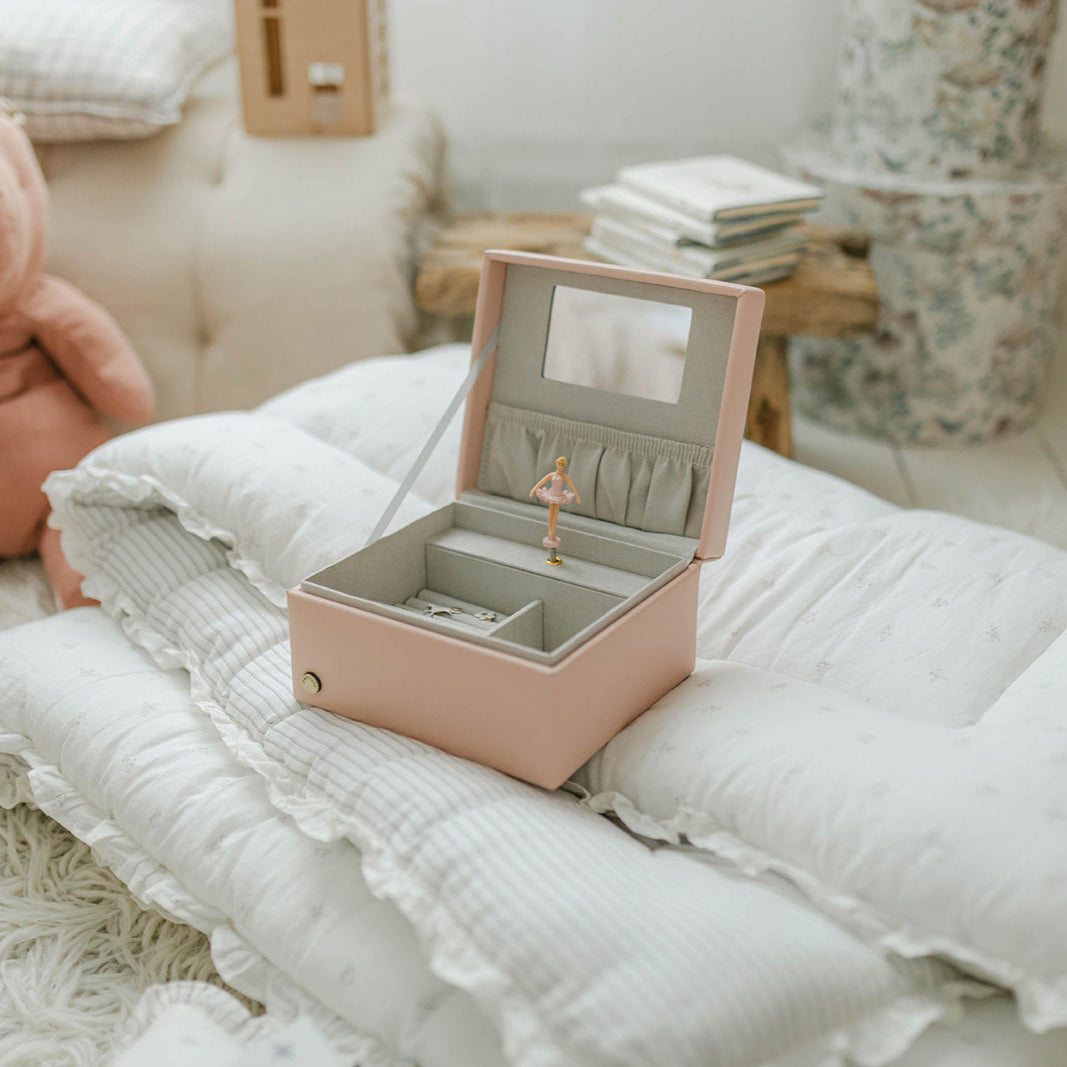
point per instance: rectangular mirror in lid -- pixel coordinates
(617, 344)
(611, 401)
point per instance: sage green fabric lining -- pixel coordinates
(648, 483)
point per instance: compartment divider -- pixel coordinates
(525, 627)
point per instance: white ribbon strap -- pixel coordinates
(435, 436)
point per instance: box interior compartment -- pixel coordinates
(472, 559)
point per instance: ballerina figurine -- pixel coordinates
(555, 494)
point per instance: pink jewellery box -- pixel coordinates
(457, 629)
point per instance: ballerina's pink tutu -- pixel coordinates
(555, 492)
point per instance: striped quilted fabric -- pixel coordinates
(111, 69)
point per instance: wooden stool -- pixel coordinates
(831, 294)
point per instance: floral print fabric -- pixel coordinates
(968, 276)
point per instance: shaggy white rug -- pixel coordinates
(76, 950)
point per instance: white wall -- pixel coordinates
(543, 97)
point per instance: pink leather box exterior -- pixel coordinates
(535, 722)
(538, 721)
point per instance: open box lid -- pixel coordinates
(657, 465)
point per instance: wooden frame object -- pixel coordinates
(312, 67)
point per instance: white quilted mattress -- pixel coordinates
(867, 767)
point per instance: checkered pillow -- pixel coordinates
(109, 69)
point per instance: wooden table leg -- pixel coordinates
(768, 420)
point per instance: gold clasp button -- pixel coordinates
(311, 682)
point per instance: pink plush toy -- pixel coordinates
(63, 361)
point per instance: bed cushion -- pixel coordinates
(115, 69)
(899, 754)
(340, 779)
(926, 839)
(987, 1034)
(891, 733)
(179, 1023)
(507, 886)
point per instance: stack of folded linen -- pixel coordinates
(709, 217)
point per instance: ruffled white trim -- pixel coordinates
(219, 1006)
(1042, 1005)
(156, 889)
(64, 488)
(228, 1013)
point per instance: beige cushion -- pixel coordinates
(241, 265)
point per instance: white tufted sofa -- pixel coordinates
(241, 265)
